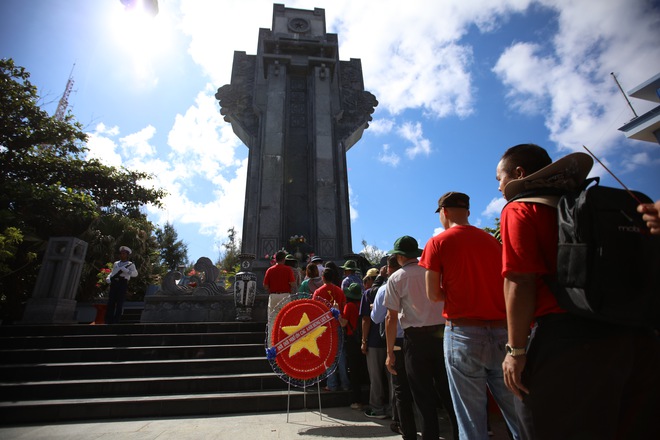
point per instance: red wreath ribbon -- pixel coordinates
(305, 336)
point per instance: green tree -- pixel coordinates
(49, 187)
(104, 237)
(495, 232)
(229, 258)
(172, 250)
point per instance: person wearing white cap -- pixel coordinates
(122, 271)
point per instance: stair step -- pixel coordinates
(59, 373)
(210, 404)
(130, 340)
(141, 328)
(100, 370)
(98, 354)
(82, 389)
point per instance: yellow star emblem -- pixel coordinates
(307, 341)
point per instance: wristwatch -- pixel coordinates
(513, 351)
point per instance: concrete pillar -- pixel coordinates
(53, 299)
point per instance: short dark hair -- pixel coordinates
(529, 157)
(280, 255)
(328, 274)
(393, 262)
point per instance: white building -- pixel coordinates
(647, 126)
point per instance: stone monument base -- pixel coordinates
(49, 311)
(199, 308)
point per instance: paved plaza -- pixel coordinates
(335, 423)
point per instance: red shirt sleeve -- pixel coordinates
(529, 245)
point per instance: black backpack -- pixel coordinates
(608, 263)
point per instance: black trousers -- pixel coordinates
(589, 380)
(356, 367)
(427, 376)
(117, 296)
(404, 398)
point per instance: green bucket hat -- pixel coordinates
(350, 265)
(406, 246)
(354, 291)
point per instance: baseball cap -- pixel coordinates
(453, 199)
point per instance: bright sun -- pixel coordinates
(143, 37)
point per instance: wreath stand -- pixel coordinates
(301, 321)
(288, 400)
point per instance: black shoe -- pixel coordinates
(395, 427)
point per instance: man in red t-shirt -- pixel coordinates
(279, 283)
(574, 377)
(463, 269)
(279, 278)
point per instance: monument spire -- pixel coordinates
(298, 109)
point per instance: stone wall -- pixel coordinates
(198, 308)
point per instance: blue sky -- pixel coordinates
(457, 82)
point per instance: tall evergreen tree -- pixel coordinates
(232, 246)
(172, 250)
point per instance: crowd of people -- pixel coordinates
(469, 320)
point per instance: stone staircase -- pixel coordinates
(57, 373)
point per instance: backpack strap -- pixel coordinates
(543, 196)
(550, 196)
(551, 201)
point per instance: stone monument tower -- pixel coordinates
(298, 109)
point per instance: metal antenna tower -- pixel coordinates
(623, 93)
(64, 101)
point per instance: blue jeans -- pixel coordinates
(473, 356)
(340, 375)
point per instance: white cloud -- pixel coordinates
(634, 161)
(414, 134)
(381, 126)
(110, 131)
(569, 80)
(217, 29)
(202, 136)
(494, 208)
(389, 157)
(103, 148)
(413, 55)
(136, 146)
